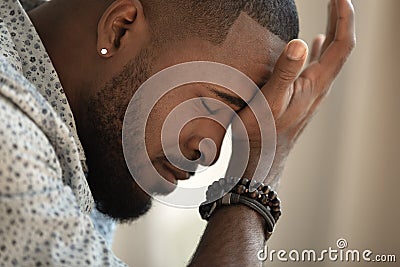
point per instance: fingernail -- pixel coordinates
(296, 50)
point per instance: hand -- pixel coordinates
(293, 96)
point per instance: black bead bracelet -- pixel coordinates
(234, 191)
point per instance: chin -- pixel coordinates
(127, 210)
(116, 194)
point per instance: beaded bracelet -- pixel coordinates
(233, 191)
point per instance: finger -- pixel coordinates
(344, 41)
(331, 26)
(317, 48)
(345, 22)
(277, 90)
(333, 59)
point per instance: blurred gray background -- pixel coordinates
(341, 180)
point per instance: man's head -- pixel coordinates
(142, 38)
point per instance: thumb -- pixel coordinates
(279, 89)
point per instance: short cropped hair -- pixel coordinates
(212, 19)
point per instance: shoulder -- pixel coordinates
(31, 4)
(28, 162)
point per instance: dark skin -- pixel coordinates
(293, 95)
(86, 74)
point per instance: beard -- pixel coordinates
(115, 192)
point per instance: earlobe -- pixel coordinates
(104, 51)
(118, 18)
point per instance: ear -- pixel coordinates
(119, 20)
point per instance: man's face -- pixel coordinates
(248, 47)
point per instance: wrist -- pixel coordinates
(243, 192)
(246, 220)
(234, 235)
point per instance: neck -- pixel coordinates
(63, 29)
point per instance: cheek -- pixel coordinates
(153, 131)
(162, 122)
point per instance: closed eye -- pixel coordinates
(237, 102)
(209, 110)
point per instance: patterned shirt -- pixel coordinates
(45, 201)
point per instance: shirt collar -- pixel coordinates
(42, 69)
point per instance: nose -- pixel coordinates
(202, 138)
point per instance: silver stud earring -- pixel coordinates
(104, 51)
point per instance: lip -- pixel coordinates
(176, 173)
(169, 176)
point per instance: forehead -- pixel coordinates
(251, 48)
(248, 47)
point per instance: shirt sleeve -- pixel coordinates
(40, 221)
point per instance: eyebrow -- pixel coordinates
(236, 101)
